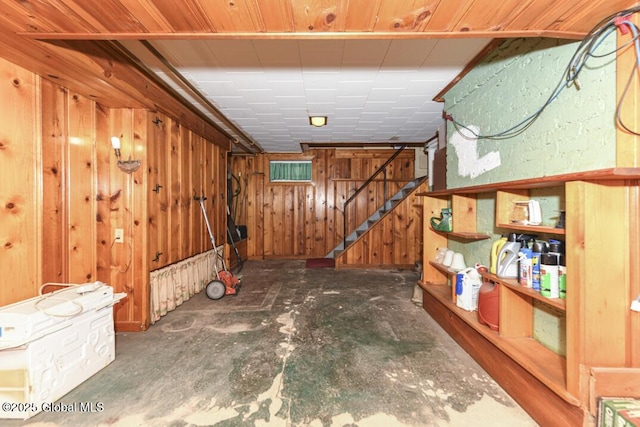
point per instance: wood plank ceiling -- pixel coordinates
(74, 42)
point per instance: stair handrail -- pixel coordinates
(382, 169)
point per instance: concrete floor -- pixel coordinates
(296, 347)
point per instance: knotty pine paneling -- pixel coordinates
(159, 188)
(174, 193)
(188, 207)
(54, 163)
(128, 200)
(264, 17)
(81, 189)
(63, 194)
(20, 192)
(304, 220)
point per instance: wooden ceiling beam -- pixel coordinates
(303, 36)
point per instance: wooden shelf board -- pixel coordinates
(534, 228)
(549, 367)
(463, 234)
(545, 181)
(443, 268)
(513, 284)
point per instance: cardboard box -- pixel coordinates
(612, 409)
(629, 418)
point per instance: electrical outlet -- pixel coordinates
(119, 235)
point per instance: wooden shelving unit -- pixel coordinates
(599, 205)
(534, 357)
(463, 235)
(536, 229)
(516, 287)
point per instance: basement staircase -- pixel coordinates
(386, 208)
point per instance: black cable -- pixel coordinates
(621, 100)
(576, 64)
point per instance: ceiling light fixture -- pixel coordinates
(318, 121)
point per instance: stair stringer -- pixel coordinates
(360, 253)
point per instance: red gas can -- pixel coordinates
(489, 305)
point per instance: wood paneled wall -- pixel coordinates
(63, 195)
(304, 220)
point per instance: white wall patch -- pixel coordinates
(466, 146)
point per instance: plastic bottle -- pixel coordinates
(562, 277)
(540, 247)
(508, 258)
(549, 275)
(495, 250)
(525, 257)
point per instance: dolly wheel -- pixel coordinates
(216, 289)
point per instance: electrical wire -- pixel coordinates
(586, 49)
(52, 297)
(636, 66)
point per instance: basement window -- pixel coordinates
(290, 170)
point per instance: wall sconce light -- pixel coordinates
(128, 166)
(318, 121)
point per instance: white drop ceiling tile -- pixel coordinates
(320, 96)
(257, 95)
(369, 81)
(283, 74)
(320, 79)
(215, 89)
(455, 52)
(345, 120)
(329, 61)
(354, 88)
(319, 47)
(239, 113)
(411, 101)
(351, 101)
(277, 53)
(290, 102)
(262, 107)
(364, 52)
(245, 79)
(205, 74)
(378, 106)
(186, 52)
(427, 115)
(432, 107)
(393, 79)
(270, 119)
(397, 121)
(286, 88)
(383, 95)
(402, 112)
(425, 87)
(231, 101)
(251, 121)
(407, 53)
(359, 74)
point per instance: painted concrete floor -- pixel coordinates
(296, 347)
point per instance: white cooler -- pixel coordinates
(52, 343)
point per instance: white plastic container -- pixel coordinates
(467, 299)
(51, 344)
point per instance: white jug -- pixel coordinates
(471, 282)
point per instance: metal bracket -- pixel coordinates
(157, 188)
(157, 121)
(157, 258)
